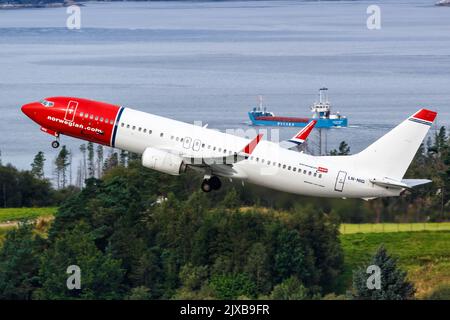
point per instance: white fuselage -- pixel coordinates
(269, 165)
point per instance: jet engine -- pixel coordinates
(163, 161)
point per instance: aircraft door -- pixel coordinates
(340, 181)
(71, 110)
(196, 145)
(187, 142)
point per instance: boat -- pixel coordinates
(259, 116)
(443, 3)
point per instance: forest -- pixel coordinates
(139, 234)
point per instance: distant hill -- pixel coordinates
(14, 4)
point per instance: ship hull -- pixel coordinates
(297, 122)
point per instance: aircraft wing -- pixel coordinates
(300, 137)
(222, 164)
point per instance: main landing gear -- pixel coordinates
(212, 183)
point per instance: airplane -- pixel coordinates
(171, 147)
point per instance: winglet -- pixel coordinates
(424, 116)
(248, 149)
(303, 134)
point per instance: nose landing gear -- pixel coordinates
(55, 144)
(212, 183)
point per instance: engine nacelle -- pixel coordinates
(163, 161)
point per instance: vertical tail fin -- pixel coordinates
(391, 155)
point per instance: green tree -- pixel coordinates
(100, 163)
(192, 277)
(320, 232)
(139, 293)
(62, 163)
(290, 289)
(257, 267)
(90, 160)
(19, 263)
(232, 286)
(440, 140)
(22, 189)
(83, 169)
(111, 161)
(291, 256)
(101, 274)
(394, 285)
(123, 158)
(231, 199)
(343, 149)
(37, 167)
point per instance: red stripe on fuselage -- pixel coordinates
(68, 117)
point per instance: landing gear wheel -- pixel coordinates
(215, 183)
(206, 186)
(55, 144)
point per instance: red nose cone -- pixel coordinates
(30, 109)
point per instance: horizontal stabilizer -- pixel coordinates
(391, 183)
(404, 184)
(415, 182)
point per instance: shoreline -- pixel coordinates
(15, 6)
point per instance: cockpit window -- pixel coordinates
(46, 103)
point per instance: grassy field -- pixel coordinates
(425, 255)
(14, 214)
(348, 228)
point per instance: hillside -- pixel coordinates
(425, 255)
